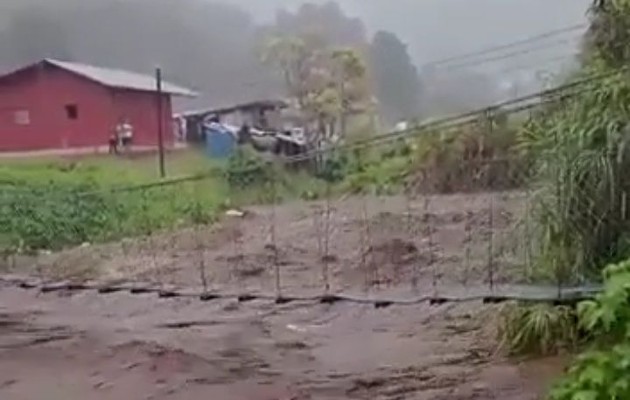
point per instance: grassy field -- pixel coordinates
(49, 203)
(106, 169)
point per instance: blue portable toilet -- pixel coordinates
(220, 141)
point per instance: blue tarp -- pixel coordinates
(220, 141)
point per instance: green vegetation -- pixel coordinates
(329, 83)
(601, 373)
(51, 205)
(581, 155)
(245, 169)
(540, 329)
(254, 180)
(480, 156)
(107, 170)
(601, 327)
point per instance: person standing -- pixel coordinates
(124, 131)
(113, 143)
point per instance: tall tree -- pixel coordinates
(395, 77)
(350, 71)
(326, 82)
(297, 59)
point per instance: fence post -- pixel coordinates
(326, 256)
(428, 220)
(160, 121)
(489, 116)
(274, 239)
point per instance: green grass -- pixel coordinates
(582, 155)
(53, 203)
(540, 329)
(106, 169)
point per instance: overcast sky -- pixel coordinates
(435, 29)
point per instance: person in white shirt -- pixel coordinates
(124, 131)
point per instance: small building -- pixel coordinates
(267, 125)
(56, 105)
(263, 115)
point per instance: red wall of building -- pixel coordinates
(22, 92)
(93, 124)
(141, 110)
(46, 91)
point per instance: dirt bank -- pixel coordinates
(356, 244)
(116, 346)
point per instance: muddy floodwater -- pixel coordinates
(91, 346)
(85, 345)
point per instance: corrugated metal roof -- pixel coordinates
(120, 79)
(226, 109)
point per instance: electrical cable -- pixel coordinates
(507, 46)
(503, 56)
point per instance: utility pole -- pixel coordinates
(160, 117)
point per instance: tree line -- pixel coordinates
(213, 47)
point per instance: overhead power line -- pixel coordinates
(533, 39)
(504, 56)
(540, 63)
(518, 104)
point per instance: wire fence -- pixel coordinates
(458, 215)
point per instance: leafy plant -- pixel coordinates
(582, 153)
(383, 176)
(608, 316)
(246, 168)
(334, 168)
(69, 208)
(479, 156)
(540, 329)
(602, 372)
(597, 375)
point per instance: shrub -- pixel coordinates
(597, 375)
(602, 372)
(246, 168)
(582, 155)
(383, 176)
(473, 157)
(540, 329)
(334, 168)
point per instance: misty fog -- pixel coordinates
(436, 29)
(211, 45)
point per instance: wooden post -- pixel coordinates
(160, 126)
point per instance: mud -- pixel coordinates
(351, 245)
(115, 346)
(93, 346)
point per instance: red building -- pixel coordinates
(61, 105)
